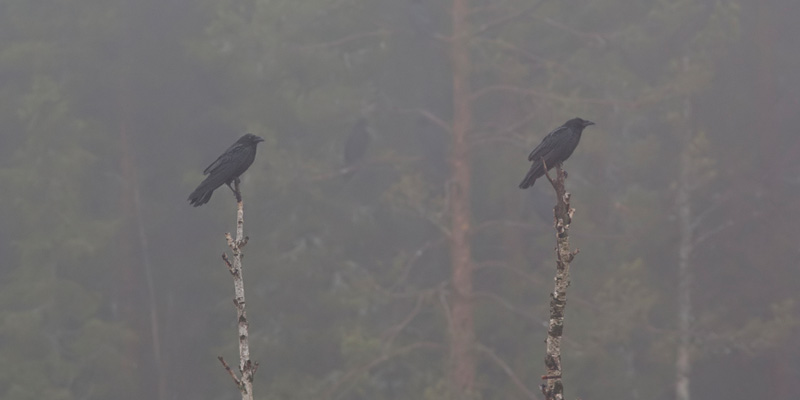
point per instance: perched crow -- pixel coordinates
(226, 169)
(555, 148)
(355, 148)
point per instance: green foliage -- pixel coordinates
(57, 344)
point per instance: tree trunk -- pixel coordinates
(461, 374)
(683, 362)
(247, 369)
(553, 389)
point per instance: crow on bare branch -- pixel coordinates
(555, 148)
(226, 169)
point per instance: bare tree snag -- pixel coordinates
(553, 389)
(461, 368)
(247, 369)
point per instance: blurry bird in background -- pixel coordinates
(421, 19)
(226, 169)
(355, 147)
(554, 149)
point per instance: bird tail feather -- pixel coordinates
(527, 182)
(530, 178)
(204, 190)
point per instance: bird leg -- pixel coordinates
(236, 193)
(546, 173)
(559, 165)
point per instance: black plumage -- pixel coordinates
(226, 168)
(355, 147)
(555, 148)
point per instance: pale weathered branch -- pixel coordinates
(553, 389)
(429, 116)
(227, 367)
(247, 368)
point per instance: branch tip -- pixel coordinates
(227, 262)
(236, 380)
(253, 371)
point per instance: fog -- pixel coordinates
(686, 194)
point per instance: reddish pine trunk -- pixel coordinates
(766, 88)
(462, 335)
(683, 360)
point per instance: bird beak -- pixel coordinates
(587, 123)
(259, 139)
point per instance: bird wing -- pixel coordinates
(547, 145)
(223, 159)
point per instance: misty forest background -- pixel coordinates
(686, 191)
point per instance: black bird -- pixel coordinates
(355, 147)
(555, 148)
(227, 169)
